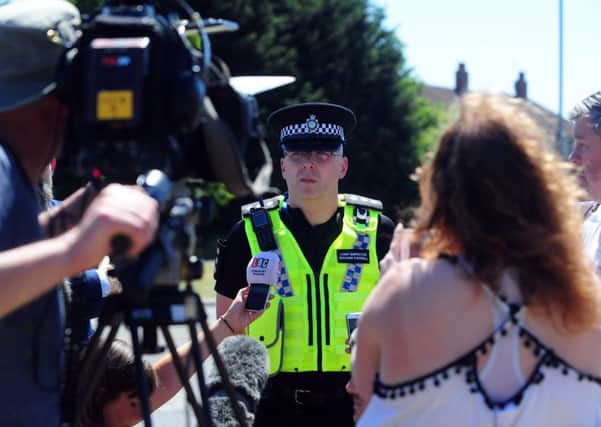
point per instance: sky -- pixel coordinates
(497, 39)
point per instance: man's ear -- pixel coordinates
(282, 166)
(343, 168)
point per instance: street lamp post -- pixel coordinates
(560, 147)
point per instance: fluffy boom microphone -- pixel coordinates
(247, 365)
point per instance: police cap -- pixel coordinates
(314, 126)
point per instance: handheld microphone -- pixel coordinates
(247, 365)
(261, 273)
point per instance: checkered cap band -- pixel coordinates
(303, 129)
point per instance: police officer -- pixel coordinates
(329, 245)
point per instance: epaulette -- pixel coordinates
(268, 204)
(364, 202)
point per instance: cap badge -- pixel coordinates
(312, 124)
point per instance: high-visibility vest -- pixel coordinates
(305, 328)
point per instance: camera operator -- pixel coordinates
(38, 250)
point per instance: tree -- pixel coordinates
(339, 51)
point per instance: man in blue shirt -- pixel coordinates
(37, 250)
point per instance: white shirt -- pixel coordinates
(591, 236)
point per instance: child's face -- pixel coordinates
(124, 411)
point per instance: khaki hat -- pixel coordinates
(33, 36)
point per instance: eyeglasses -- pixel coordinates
(311, 156)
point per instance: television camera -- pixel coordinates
(138, 83)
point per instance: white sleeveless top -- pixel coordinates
(553, 394)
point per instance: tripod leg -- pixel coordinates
(142, 383)
(202, 419)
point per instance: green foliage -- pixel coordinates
(339, 51)
(428, 139)
(215, 191)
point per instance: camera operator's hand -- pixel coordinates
(69, 212)
(236, 316)
(117, 211)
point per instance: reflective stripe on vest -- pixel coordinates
(314, 309)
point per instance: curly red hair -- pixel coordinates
(496, 194)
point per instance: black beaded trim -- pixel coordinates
(468, 365)
(435, 378)
(551, 360)
(438, 376)
(536, 377)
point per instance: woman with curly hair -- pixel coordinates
(497, 322)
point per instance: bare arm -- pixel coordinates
(31, 270)
(222, 304)
(365, 358)
(168, 381)
(384, 310)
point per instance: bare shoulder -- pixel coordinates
(402, 279)
(415, 285)
(425, 303)
(418, 276)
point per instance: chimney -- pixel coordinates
(521, 87)
(461, 80)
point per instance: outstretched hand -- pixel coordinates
(239, 317)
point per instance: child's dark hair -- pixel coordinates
(119, 376)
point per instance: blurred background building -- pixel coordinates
(546, 119)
